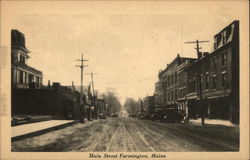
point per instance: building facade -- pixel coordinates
(213, 80)
(174, 82)
(158, 94)
(23, 75)
(148, 104)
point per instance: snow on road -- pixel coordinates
(133, 135)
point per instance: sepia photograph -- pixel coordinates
(124, 79)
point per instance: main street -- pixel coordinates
(133, 135)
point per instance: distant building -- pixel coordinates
(173, 83)
(213, 80)
(23, 76)
(148, 104)
(158, 95)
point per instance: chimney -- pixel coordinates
(56, 85)
(48, 83)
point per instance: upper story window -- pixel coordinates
(224, 59)
(168, 81)
(214, 81)
(172, 95)
(192, 85)
(224, 37)
(229, 31)
(215, 43)
(172, 79)
(175, 77)
(214, 61)
(207, 80)
(22, 59)
(223, 79)
(175, 94)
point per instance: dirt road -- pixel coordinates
(133, 135)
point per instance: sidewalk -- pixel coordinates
(32, 129)
(213, 121)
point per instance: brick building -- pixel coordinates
(173, 86)
(213, 80)
(23, 76)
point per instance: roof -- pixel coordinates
(18, 40)
(31, 69)
(174, 61)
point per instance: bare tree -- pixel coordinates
(132, 106)
(113, 103)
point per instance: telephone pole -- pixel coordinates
(92, 81)
(197, 45)
(81, 67)
(199, 80)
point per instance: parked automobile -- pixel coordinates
(144, 116)
(114, 115)
(101, 116)
(132, 115)
(173, 115)
(158, 115)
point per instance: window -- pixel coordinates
(207, 80)
(22, 59)
(172, 95)
(223, 79)
(229, 31)
(172, 79)
(201, 79)
(214, 63)
(24, 77)
(214, 82)
(175, 77)
(37, 81)
(224, 58)
(176, 94)
(194, 87)
(168, 81)
(21, 77)
(224, 38)
(215, 43)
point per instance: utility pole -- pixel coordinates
(81, 67)
(92, 81)
(199, 80)
(197, 45)
(141, 106)
(94, 96)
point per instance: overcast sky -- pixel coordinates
(126, 43)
